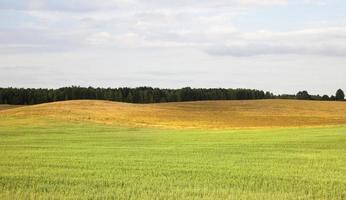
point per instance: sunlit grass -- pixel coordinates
(6, 107)
(86, 161)
(218, 115)
(193, 150)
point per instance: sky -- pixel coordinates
(282, 46)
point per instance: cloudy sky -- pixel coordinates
(277, 45)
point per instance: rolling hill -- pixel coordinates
(109, 150)
(200, 115)
(6, 107)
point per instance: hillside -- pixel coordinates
(201, 115)
(6, 107)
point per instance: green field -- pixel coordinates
(269, 149)
(88, 161)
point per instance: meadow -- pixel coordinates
(45, 154)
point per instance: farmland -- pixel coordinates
(203, 115)
(269, 149)
(6, 107)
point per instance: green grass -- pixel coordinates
(65, 161)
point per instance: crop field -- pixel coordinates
(6, 107)
(271, 149)
(203, 115)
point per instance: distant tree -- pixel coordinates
(332, 98)
(316, 97)
(303, 95)
(268, 95)
(29, 96)
(325, 98)
(340, 95)
(129, 97)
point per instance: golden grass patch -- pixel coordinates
(200, 115)
(6, 107)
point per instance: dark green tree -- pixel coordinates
(340, 95)
(325, 98)
(303, 95)
(29, 96)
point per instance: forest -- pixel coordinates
(30, 96)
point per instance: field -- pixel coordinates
(197, 150)
(6, 107)
(204, 115)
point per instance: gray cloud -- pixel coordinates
(57, 5)
(205, 25)
(322, 42)
(168, 43)
(19, 68)
(267, 49)
(92, 5)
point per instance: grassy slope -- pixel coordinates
(43, 154)
(202, 115)
(6, 107)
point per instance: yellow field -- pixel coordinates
(200, 115)
(6, 107)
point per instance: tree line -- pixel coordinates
(30, 96)
(304, 95)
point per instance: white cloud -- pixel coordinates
(63, 5)
(202, 24)
(324, 41)
(178, 43)
(99, 5)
